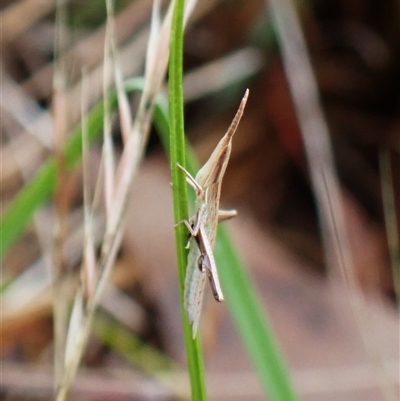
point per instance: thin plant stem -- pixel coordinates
(177, 155)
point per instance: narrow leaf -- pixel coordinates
(177, 155)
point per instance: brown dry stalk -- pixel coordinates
(118, 184)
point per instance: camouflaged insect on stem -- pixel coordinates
(203, 225)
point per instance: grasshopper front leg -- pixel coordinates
(192, 182)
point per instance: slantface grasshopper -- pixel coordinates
(203, 225)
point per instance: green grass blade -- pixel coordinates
(240, 293)
(19, 212)
(177, 154)
(251, 321)
(241, 297)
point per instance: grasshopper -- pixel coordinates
(203, 225)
